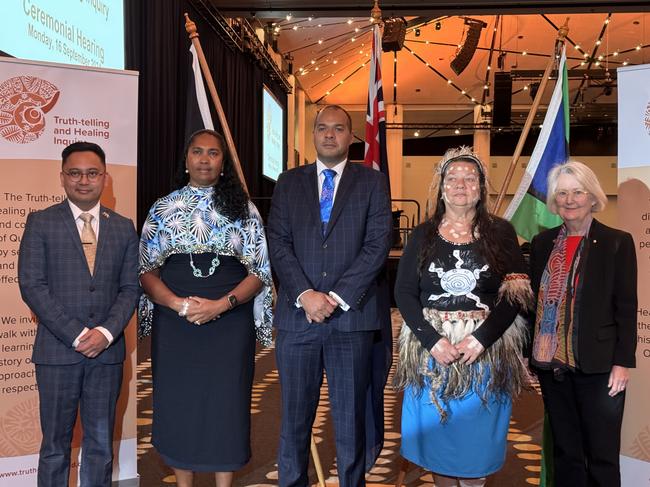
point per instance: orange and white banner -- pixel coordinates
(634, 217)
(43, 108)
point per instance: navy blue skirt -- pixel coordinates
(203, 375)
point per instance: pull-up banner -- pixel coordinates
(634, 217)
(43, 108)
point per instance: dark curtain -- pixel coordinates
(158, 47)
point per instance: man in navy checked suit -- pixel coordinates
(327, 246)
(82, 309)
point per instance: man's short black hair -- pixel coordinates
(83, 147)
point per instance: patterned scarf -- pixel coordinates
(556, 323)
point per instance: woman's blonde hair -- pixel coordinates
(585, 176)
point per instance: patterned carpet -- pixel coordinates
(521, 469)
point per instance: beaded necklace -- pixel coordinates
(196, 272)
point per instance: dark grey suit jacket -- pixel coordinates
(345, 260)
(56, 284)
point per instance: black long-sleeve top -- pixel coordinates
(457, 279)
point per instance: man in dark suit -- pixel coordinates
(78, 272)
(329, 236)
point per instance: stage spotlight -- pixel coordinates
(466, 51)
(417, 32)
(438, 26)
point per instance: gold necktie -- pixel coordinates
(88, 240)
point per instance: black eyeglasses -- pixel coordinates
(75, 175)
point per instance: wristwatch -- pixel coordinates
(232, 300)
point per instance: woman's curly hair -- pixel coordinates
(489, 243)
(230, 199)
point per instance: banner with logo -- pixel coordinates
(43, 108)
(634, 217)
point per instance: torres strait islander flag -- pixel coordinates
(527, 210)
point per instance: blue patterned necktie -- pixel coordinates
(327, 197)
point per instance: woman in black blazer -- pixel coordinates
(583, 274)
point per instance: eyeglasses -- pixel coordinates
(577, 194)
(75, 175)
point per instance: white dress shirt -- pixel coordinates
(94, 211)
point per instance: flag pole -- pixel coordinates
(561, 37)
(190, 27)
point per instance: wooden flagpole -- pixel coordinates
(561, 37)
(190, 27)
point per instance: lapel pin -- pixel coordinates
(105, 214)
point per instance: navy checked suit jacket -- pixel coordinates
(345, 260)
(56, 284)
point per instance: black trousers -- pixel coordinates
(586, 426)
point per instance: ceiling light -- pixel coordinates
(289, 16)
(416, 133)
(457, 131)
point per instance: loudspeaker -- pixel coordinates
(394, 34)
(502, 110)
(464, 55)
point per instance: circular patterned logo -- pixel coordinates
(24, 101)
(458, 282)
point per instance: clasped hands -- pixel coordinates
(466, 351)
(318, 306)
(92, 343)
(201, 310)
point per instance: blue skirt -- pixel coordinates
(472, 441)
